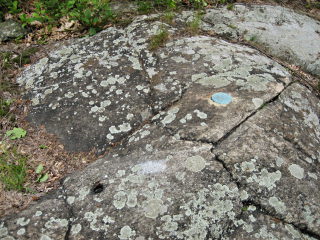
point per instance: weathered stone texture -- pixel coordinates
(90, 93)
(211, 139)
(10, 30)
(275, 157)
(48, 219)
(281, 32)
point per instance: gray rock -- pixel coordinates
(75, 90)
(275, 158)
(120, 7)
(176, 191)
(48, 219)
(211, 140)
(255, 225)
(281, 32)
(11, 30)
(202, 66)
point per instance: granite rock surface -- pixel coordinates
(204, 138)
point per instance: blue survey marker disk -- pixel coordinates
(221, 98)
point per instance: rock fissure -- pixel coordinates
(276, 218)
(270, 101)
(71, 213)
(233, 179)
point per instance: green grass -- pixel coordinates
(92, 15)
(158, 40)
(13, 170)
(168, 17)
(193, 26)
(24, 57)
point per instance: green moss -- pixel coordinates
(13, 170)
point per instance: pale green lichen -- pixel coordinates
(21, 231)
(279, 161)
(296, 171)
(244, 195)
(132, 199)
(216, 81)
(312, 175)
(265, 178)
(277, 204)
(309, 216)
(126, 233)
(265, 234)
(257, 102)
(171, 116)
(45, 237)
(38, 213)
(3, 230)
(22, 221)
(181, 176)
(153, 208)
(70, 200)
(92, 218)
(119, 200)
(186, 118)
(83, 192)
(75, 229)
(55, 223)
(248, 166)
(200, 114)
(195, 163)
(120, 173)
(205, 210)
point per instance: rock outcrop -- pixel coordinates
(206, 138)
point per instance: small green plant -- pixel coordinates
(6, 60)
(42, 146)
(92, 14)
(159, 39)
(230, 6)
(9, 6)
(13, 170)
(4, 107)
(253, 38)
(144, 7)
(24, 57)
(245, 208)
(168, 17)
(194, 25)
(16, 133)
(42, 177)
(232, 26)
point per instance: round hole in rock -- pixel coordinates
(97, 188)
